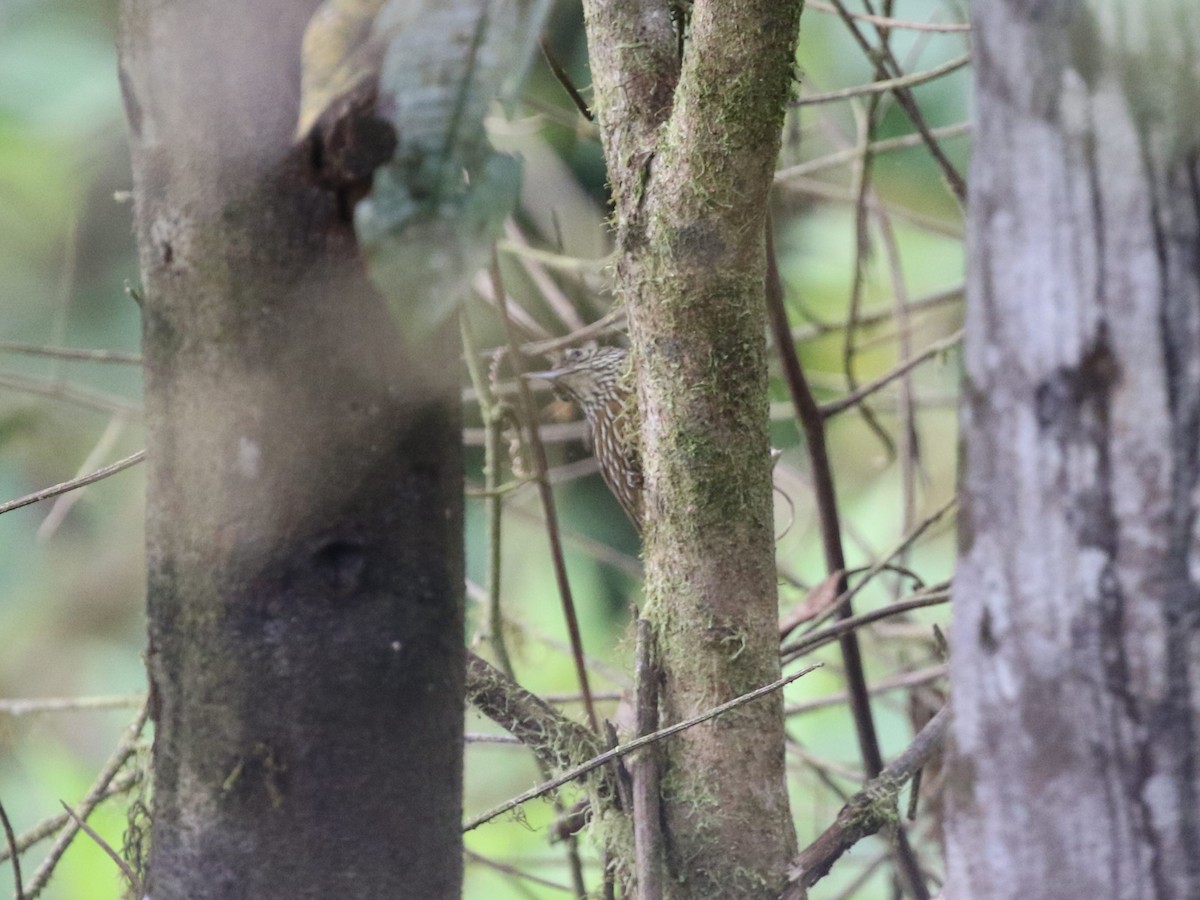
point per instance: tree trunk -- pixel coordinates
(691, 148)
(1076, 642)
(304, 497)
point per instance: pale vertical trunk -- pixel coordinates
(1076, 641)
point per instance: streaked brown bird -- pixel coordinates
(599, 380)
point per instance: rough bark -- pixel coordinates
(304, 496)
(690, 147)
(1076, 642)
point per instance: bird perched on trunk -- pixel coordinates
(600, 381)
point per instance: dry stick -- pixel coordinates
(513, 871)
(13, 853)
(95, 794)
(869, 810)
(18, 706)
(889, 22)
(898, 682)
(73, 353)
(555, 298)
(862, 189)
(813, 425)
(882, 564)
(910, 448)
(884, 85)
(644, 770)
(550, 736)
(565, 80)
(636, 744)
(802, 333)
(74, 483)
(494, 502)
(831, 540)
(135, 883)
(841, 157)
(815, 639)
(58, 390)
(52, 825)
(955, 181)
(552, 531)
(843, 403)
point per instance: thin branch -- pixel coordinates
(26, 706)
(10, 839)
(645, 772)
(135, 883)
(848, 155)
(869, 810)
(636, 744)
(492, 424)
(889, 22)
(95, 794)
(898, 682)
(74, 483)
(813, 426)
(863, 391)
(72, 353)
(552, 531)
(93, 400)
(565, 80)
(814, 639)
(889, 84)
(954, 180)
(514, 872)
(53, 824)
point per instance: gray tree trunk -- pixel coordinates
(1076, 641)
(304, 497)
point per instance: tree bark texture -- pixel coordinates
(691, 145)
(1076, 640)
(304, 496)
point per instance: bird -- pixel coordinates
(599, 380)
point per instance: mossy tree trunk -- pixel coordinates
(304, 496)
(1076, 641)
(691, 145)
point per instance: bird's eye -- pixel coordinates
(573, 355)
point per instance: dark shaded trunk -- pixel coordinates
(304, 498)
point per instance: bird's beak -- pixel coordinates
(550, 375)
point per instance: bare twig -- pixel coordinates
(492, 424)
(135, 883)
(95, 794)
(842, 157)
(869, 810)
(10, 839)
(636, 744)
(514, 872)
(645, 773)
(895, 683)
(813, 426)
(815, 639)
(74, 483)
(58, 390)
(73, 353)
(889, 22)
(863, 391)
(27, 706)
(53, 824)
(889, 84)
(552, 531)
(565, 80)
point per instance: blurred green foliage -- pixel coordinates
(71, 591)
